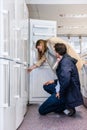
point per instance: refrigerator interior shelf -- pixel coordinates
(47, 27)
(42, 34)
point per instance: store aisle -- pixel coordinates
(34, 121)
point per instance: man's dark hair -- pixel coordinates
(60, 48)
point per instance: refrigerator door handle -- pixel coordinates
(17, 44)
(17, 81)
(17, 96)
(6, 85)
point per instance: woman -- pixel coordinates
(68, 95)
(46, 52)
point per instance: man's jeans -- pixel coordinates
(52, 104)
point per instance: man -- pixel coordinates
(65, 92)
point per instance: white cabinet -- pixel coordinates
(39, 29)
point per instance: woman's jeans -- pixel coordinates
(52, 104)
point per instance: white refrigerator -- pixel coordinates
(13, 61)
(39, 29)
(83, 78)
(7, 105)
(7, 101)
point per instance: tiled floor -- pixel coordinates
(34, 121)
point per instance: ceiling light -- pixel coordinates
(71, 27)
(73, 15)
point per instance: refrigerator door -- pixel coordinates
(84, 84)
(83, 81)
(7, 110)
(24, 87)
(21, 28)
(39, 29)
(5, 35)
(7, 18)
(18, 98)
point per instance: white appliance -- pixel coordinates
(7, 105)
(24, 87)
(39, 29)
(12, 57)
(84, 84)
(17, 86)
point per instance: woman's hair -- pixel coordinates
(44, 47)
(60, 48)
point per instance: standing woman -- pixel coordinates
(46, 52)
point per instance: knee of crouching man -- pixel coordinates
(44, 87)
(41, 111)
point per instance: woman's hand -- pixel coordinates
(49, 82)
(31, 68)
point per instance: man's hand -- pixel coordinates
(49, 82)
(58, 95)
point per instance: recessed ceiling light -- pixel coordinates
(73, 15)
(71, 27)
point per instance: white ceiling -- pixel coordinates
(65, 25)
(56, 1)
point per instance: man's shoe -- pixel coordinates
(69, 112)
(72, 112)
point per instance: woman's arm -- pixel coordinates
(39, 63)
(31, 68)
